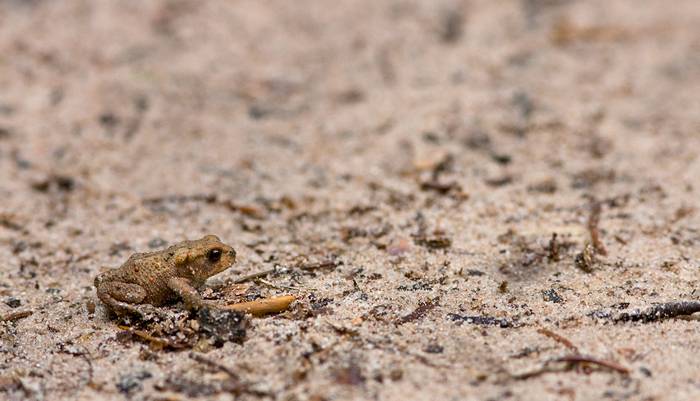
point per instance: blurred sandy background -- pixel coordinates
(430, 148)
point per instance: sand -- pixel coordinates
(401, 166)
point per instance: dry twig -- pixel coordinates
(593, 220)
(155, 342)
(11, 317)
(216, 365)
(558, 338)
(255, 276)
(661, 312)
(422, 309)
(571, 361)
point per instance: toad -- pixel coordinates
(147, 280)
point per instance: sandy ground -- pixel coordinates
(402, 164)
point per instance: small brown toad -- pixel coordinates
(156, 278)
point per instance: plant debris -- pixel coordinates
(156, 343)
(558, 338)
(551, 295)
(433, 348)
(436, 184)
(585, 259)
(499, 181)
(223, 325)
(440, 187)
(13, 302)
(265, 306)
(206, 361)
(451, 27)
(11, 317)
(593, 221)
(527, 254)
(547, 186)
(58, 182)
(328, 264)
(438, 241)
(553, 249)
(192, 387)
(197, 386)
(480, 320)
(423, 308)
(350, 375)
(209, 326)
(565, 32)
(567, 363)
(255, 276)
(130, 383)
(7, 222)
(591, 177)
(661, 312)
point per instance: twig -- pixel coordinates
(263, 306)
(575, 359)
(178, 198)
(314, 266)
(553, 249)
(593, 221)
(480, 320)
(343, 330)
(254, 276)
(661, 312)
(6, 221)
(422, 309)
(276, 286)
(85, 354)
(157, 341)
(558, 338)
(321, 265)
(11, 317)
(251, 211)
(206, 361)
(239, 387)
(439, 187)
(534, 373)
(571, 361)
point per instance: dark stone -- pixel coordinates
(223, 325)
(434, 349)
(157, 243)
(13, 302)
(551, 295)
(131, 382)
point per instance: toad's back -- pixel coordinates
(149, 270)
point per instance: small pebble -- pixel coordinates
(157, 243)
(434, 349)
(13, 302)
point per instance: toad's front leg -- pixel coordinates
(188, 293)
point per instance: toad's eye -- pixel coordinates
(214, 255)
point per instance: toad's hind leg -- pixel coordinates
(124, 298)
